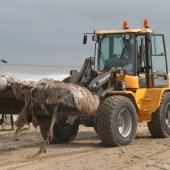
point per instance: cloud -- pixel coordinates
(50, 32)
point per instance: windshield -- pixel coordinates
(116, 51)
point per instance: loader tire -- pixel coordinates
(159, 126)
(61, 132)
(64, 132)
(116, 121)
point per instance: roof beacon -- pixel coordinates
(146, 23)
(125, 25)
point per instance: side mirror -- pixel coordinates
(85, 39)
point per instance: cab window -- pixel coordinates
(159, 66)
(158, 54)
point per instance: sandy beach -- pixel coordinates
(85, 152)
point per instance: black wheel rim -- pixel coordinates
(65, 128)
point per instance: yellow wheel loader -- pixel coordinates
(132, 82)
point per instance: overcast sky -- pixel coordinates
(50, 32)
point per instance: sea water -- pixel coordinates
(35, 73)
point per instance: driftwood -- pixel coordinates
(49, 92)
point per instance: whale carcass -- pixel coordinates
(47, 102)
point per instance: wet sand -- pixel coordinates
(85, 152)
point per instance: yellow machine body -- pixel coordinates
(146, 100)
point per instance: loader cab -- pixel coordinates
(139, 52)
